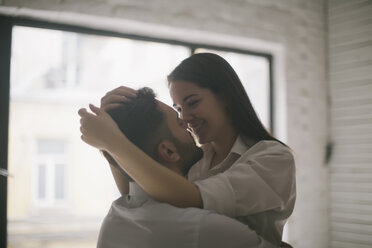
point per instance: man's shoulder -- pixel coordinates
(171, 213)
(152, 210)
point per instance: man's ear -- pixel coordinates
(168, 152)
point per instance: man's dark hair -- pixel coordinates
(142, 122)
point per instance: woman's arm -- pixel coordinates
(257, 182)
(121, 178)
(113, 99)
(164, 185)
(121, 181)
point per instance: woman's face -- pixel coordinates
(202, 110)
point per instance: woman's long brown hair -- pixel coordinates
(208, 70)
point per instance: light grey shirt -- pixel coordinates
(136, 220)
(256, 185)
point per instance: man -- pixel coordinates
(136, 220)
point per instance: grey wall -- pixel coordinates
(299, 27)
(350, 82)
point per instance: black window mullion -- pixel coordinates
(271, 95)
(5, 50)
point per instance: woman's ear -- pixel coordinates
(167, 151)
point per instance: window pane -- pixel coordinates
(41, 181)
(253, 72)
(59, 181)
(54, 74)
(51, 147)
(58, 62)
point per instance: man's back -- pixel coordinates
(136, 220)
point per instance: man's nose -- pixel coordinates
(185, 116)
(184, 124)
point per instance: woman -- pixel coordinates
(245, 173)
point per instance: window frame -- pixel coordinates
(6, 25)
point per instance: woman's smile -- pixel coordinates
(196, 127)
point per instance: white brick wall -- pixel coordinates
(350, 80)
(297, 26)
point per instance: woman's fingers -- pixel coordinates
(83, 138)
(109, 101)
(82, 130)
(115, 99)
(97, 128)
(111, 106)
(95, 109)
(86, 118)
(121, 94)
(83, 112)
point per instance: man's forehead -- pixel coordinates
(165, 108)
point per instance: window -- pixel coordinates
(62, 188)
(50, 173)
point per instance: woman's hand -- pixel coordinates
(117, 97)
(98, 129)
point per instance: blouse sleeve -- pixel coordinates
(264, 181)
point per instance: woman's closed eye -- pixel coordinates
(193, 103)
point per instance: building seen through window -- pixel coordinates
(51, 165)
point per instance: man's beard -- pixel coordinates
(189, 155)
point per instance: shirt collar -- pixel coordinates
(239, 147)
(136, 197)
(136, 190)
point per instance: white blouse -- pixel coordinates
(257, 186)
